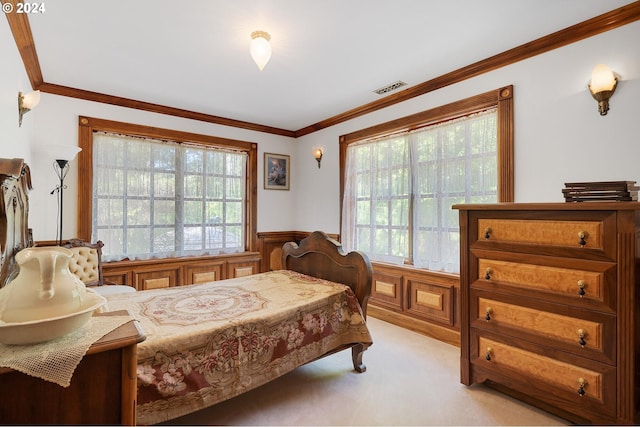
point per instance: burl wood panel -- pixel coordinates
(552, 325)
(531, 365)
(561, 233)
(388, 290)
(431, 300)
(554, 279)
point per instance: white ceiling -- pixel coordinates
(328, 55)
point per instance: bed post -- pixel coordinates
(320, 256)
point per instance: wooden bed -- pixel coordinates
(210, 342)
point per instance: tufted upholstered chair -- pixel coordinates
(86, 264)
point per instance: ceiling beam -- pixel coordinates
(624, 15)
(21, 30)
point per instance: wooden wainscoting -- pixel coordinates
(167, 272)
(417, 299)
(420, 300)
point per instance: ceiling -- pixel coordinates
(328, 55)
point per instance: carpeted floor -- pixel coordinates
(410, 380)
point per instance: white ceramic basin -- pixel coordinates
(36, 331)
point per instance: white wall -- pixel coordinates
(14, 141)
(559, 135)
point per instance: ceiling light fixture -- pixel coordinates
(260, 48)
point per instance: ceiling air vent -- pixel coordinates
(389, 88)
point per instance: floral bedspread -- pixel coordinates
(207, 343)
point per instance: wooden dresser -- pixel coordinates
(550, 306)
(103, 387)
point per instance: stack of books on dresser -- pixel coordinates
(600, 191)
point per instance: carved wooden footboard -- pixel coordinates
(320, 256)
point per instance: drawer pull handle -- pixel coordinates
(488, 274)
(581, 285)
(582, 235)
(581, 383)
(487, 233)
(488, 312)
(581, 334)
(487, 356)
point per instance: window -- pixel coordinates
(183, 194)
(401, 179)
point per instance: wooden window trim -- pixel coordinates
(502, 99)
(87, 126)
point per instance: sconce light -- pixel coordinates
(260, 48)
(62, 154)
(317, 154)
(603, 84)
(27, 103)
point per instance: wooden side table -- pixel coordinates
(102, 390)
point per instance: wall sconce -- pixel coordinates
(317, 154)
(62, 154)
(27, 103)
(260, 48)
(603, 84)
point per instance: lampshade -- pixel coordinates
(63, 152)
(602, 79)
(260, 48)
(26, 103)
(31, 99)
(317, 154)
(602, 86)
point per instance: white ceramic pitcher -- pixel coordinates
(44, 287)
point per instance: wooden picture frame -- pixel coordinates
(276, 171)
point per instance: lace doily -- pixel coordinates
(56, 360)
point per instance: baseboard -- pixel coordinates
(429, 329)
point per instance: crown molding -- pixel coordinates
(21, 30)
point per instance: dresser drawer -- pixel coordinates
(584, 389)
(582, 333)
(573, 234)
(592, 236)
(580, 287)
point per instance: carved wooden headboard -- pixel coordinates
(15, 234)
(320, 256)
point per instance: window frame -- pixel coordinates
(87, 126)
(501, 99)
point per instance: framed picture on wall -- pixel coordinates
(276, 171)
